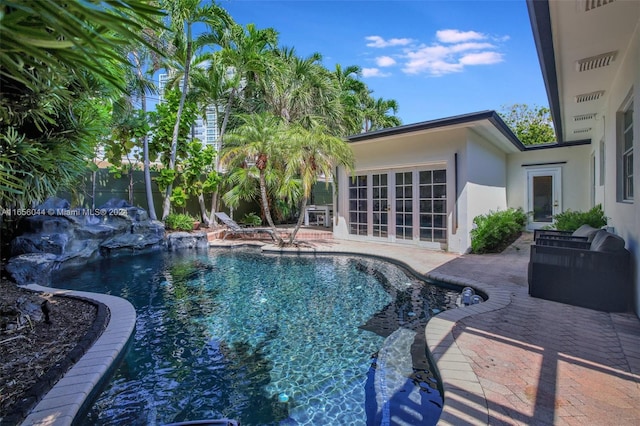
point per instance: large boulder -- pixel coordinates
(62, 237)
(187, 240)
(32, 268)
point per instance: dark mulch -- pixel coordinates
(36, 354)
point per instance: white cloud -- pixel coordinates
(457, 36)
(452, 51)
(385, 61)
(482, 58)
(373, 72)
(377, 41)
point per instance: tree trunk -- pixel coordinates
(203, 210)
(131, 184)
(166, 205)
(145, 148)
(265, 207)
(214, 207)
(303, 205)
(147, 179)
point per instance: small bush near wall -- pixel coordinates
(570, 220)
(496, 230)
(179, 222)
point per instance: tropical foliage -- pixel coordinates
(61, 64)
(570, 220)
(532, 125)
(76, 76)
(494, 231)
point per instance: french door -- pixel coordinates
(402, 205)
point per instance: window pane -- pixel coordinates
(439, 206)
(439, 191)
(408, 178)
(426, 206)
(425, 177)
(425, 191)
(408, 192)
(439, 176)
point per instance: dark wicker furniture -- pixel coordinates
(597, 276)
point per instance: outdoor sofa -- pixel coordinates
(594, 274)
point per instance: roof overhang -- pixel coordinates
(488, 124)
(580, 45)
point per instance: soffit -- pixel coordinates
(590, 40)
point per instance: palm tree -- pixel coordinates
(311, 154)
(257, 143)
(351, 91)
(184, 14)
(376, 114)
(298, 89)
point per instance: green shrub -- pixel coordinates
(179, 222)
(570, 220)
(252, 219)
(496, 230)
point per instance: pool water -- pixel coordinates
(268, 339)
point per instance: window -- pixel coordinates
(625, 150)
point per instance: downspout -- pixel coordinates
(455, 188)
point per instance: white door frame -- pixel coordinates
(556, 196)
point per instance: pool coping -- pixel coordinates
(69, 395)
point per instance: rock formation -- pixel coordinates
(57, 236)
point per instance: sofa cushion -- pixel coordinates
(606, 241)
(586, 231)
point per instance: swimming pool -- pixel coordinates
(267, 339)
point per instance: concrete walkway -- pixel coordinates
(518, 360)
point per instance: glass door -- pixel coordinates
(380, 205)
(543, 196)
(404, 205)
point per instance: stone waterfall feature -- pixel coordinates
(58, 236)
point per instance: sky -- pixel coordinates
(437, 59)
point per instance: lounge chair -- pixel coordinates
(236, 229)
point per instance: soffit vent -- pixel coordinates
(582, 131)
(595, 62)
(584, 117)
(588, 97)
(594, 4)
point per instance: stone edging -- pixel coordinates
(80, 384)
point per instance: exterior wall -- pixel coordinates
(623, 216)
(576, 176)
(397, 153)
(481, 177)
(485, 184)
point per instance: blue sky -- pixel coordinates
(436, 58)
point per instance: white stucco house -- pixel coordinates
(423, 183)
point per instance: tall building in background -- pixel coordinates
(205, 129)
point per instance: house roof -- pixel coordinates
(487, 123)
(580, 46)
